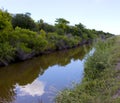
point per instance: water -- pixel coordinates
(39, 80)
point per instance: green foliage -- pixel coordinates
(40, 44)
(6, 53)
(43, 33)
(60, 31)
(6, 50)
(45, 26)
(23, 47)
(80, 26)
(61, 21)
(62, 24)
(99, 61)
(76, 31)
(62, 41)
(91, 34)
(23, 21)
(31, 40)
(5, 21)
(85, 36)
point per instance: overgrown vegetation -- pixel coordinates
(22, 38)
(101, 83)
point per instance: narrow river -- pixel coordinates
(39, 80)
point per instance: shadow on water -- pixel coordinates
(26, 72)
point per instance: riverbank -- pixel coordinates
(101, 78)
(22, 56)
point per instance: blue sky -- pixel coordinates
(94, 14)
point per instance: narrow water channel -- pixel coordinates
(38, 80)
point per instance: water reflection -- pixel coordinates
(36, 88)
(25, 78)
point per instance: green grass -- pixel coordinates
(101, 80)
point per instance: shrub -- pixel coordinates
(7, 53)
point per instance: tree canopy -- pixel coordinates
(23, 21)
(5, 21)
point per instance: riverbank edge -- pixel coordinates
(24, 57)
(101, 78)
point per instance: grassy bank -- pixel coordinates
(101, 82)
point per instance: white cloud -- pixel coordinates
(34, 89)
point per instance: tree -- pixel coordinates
(5, 26)
(76, 31)
(62, 24)
(40, 24)
(23, 21)
(5, 21)
(45, 26)
(80, 26)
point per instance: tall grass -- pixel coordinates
(101, 82)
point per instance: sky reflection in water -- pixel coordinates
(36, 88)
(54, 79)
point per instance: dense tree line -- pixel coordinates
(22, 38)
